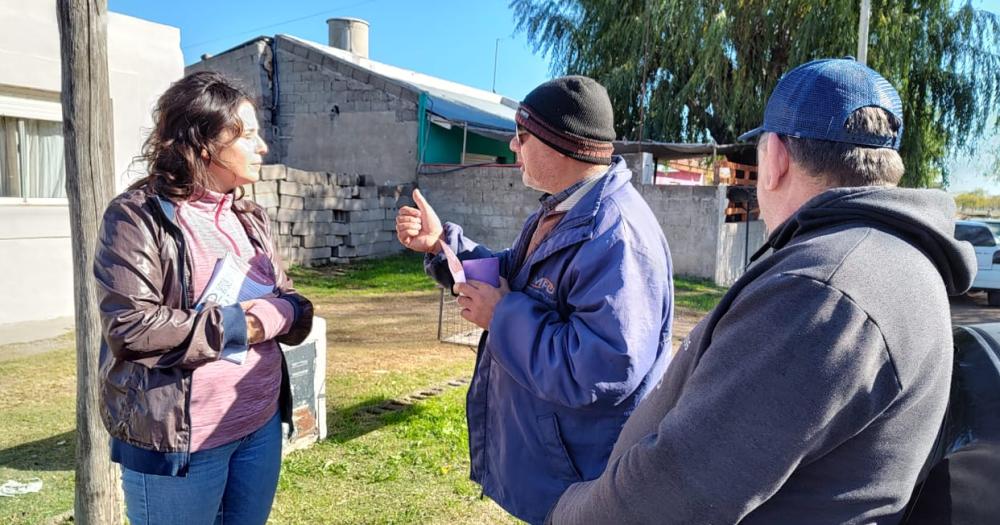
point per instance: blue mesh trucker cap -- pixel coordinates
(814, 100)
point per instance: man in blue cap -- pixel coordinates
(814, 391)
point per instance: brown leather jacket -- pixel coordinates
(153, 336)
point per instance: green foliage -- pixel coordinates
(693, 70)
(977, 201)
(398, 273)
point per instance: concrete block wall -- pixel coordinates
(330, 110)
(692, 219)
(489, 202)
(320, 217)
(251, 66)
(735, 242)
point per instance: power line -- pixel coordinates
(275, 24)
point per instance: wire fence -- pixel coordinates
(452, 328)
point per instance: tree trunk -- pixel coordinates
(86, 101)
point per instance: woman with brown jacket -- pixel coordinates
(195, 391)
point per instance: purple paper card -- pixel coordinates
(484, 270)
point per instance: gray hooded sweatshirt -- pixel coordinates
(814, 391)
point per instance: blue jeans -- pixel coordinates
(232, 484)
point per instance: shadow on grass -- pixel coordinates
(51, 453)
(347, 423)
(344, 424)
(697, 294)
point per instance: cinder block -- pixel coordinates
(386, 248)
(284, 228)
(265, 187)
(368, 192)
(364, 250)
(318, 253)
(347, 179)
(365, 226)
(290, 188)
(366, 215)
(306, 177)
(332, 203)
(346, 251)
(311, 228)
(272, 172)
(266, 200)
(305, 215)
(288, 241)
(290, 202)
(348, 205)
(359, 239)
(329, 190)
(317, 203)
(361, 75)
(334, 240)
(393, 89)
(406, 115)
(299, 189)
(314, 241)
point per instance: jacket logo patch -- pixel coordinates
(544, 284)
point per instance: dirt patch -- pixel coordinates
(377, 334)
(398, 332)
(684, 321)
(365, 320)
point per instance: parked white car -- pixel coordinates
(985, 238)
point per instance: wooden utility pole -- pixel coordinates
(86, 102)
(866, 11)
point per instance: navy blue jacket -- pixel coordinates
(571, 350)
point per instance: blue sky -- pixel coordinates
(451, 39)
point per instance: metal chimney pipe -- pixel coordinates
(349, 34)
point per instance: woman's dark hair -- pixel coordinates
(188, 123)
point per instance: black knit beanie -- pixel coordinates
(573, 116)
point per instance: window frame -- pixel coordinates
(981, 232)
(30, 104)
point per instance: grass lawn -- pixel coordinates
(409, 466)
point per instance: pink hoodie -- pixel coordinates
(230, 401)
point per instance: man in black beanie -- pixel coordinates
(582, 331)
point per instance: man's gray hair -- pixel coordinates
(847, 165)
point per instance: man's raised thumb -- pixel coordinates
(421, 203)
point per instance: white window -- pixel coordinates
(32, 163)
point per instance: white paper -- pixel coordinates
(231, 284)
(454, 265)
(13, 488)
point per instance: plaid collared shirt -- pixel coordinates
(566, 199)
(554, 207)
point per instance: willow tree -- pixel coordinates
(700, 70)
